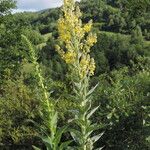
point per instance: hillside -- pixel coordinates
(96, 74)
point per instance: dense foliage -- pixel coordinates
(122, 58)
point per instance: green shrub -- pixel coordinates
(18, 103)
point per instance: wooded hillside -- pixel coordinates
(122, 59)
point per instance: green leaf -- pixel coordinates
(97, 137)
(92, 112)
(93, 127)
(59, 135)
(48, 142)
(74, 111)
(92, 90)
(88, 99)
(100, 148)
(78, 85)
(76, 92)
(36, 148)
(76, 135)
(79, 122)
(109, 116)
(64, 145)
(54, 122)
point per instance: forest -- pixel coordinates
(75, 77)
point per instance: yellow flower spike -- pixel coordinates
(71, 30)
(78, 40)
(78, 13)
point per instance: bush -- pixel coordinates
(124, 102)
(18, 103)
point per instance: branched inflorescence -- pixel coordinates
(77, 39)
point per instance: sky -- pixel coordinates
(35, 5)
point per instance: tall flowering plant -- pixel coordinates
(77, 39)
(51, 134)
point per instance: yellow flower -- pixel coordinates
(65, 37)
(63, 30)
(84, 63)
(79, 32)
(91, 39)
(92, 67)
(67, 2)
(69, 57)
(87, 27)
(81, 46)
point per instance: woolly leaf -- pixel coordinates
(64, 145)
(36, 148)
(59, 135)
(54, 122)
(76, 135)
(48, 142)
(92, 90)
(97, 137)
(92, 112)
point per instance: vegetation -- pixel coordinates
(67, 83)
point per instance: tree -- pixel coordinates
(6, 6)
(136, 36)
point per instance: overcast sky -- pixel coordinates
(35, 5)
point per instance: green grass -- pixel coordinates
(114, 33)
(147, 43)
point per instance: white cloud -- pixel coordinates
(23, 10)
(35, 5)
(38, 4)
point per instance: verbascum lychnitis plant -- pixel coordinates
(51, 134)
(76, 40)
